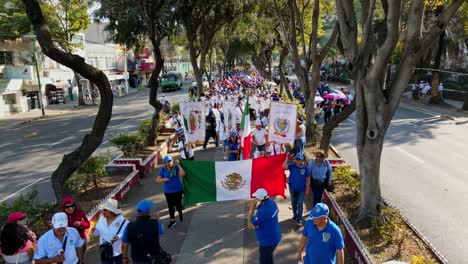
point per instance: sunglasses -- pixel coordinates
(319, 156)
(69, 206)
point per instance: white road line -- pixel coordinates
(22, 189)
(411, 155)
(61, 141)
(427, 112)
(351, 121)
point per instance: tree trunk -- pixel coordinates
(311, 133)
(435, 96)
(196, 69)
(81, 100)
(153, 98)
(465, 103)
(91, 141)
(283, 82)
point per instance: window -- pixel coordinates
(93, 61)
(102, 63)
(6, 58)
(111, 63)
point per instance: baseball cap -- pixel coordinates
(298, 156)
(60, 220)
(319, 210)
(260, 194)
(13, 217)
(233, 134)
(144, 206)
(167, 158)
(210, 112)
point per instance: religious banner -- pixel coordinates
(229, 110)
(282, 123)
(193, 115)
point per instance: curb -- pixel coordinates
(448, 117)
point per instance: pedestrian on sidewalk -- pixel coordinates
(76, 218)
(299, 185)
(15, 245)
(186, 149)
(170, 175)
(321, 175)
(266, 225)
(60, 244)
(259, 137)
(143, 237)
(321, 238)
(109, 228)
(210, 129)
(19, 218)
(232, 147)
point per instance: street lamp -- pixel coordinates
(33, 38)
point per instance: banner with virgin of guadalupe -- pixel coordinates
(282, 123)
(229, 110)
(193, 116)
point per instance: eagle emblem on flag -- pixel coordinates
(233, 181)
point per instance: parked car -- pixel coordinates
(171, 81)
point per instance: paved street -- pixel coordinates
(32, 151)
(423, 173)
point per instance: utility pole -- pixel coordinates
(37, 72)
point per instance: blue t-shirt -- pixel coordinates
(266, 224)
(322, 245)
(232, 146)
(125, 232)
(173, 185)
(297, 177)
(319, 172)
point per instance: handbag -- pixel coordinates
(106, 250)
(162, 258)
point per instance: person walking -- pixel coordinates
(60, 244)
(76, 218)
(321, 238)
(327, 109)
(259, 137)
(19, 218)
(143, 236)
(321, 175)
(300, 137)
(15, 245)
(232, 147)
(266, 225)
(169, 175)
(186, 149)
(299, 185)
(109, 228)
(210, 129)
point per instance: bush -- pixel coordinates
(389, 225)
(349, 178)
(39, 212)
(144, 127)
(89, 172)
(141, 88)
(175, 108)
(129, 144)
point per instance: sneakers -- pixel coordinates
(181, 218)
(299, 224)
(171, 224)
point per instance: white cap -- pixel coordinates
(111, 205)
(60, 220)
(260, 194)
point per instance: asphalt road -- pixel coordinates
(423, 174)
(31, 152)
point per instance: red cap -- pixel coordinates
(15, 216)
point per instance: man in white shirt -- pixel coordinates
(186, 149)
(263, 119)
(259, 137)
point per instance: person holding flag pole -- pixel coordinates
(246, 133)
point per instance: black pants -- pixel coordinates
(174, 201)
(191, 158)
(208, 135)
(327, 116)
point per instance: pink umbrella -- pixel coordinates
(334, 96)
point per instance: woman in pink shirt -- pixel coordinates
(15, 244)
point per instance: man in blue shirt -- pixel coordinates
(60, 244)
(266, 225)
(321, 238)
(299, 185)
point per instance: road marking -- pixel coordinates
(411, 155)
(421, 110)
(22, 189)
(351, 121)
(61, 141)
(30, 135)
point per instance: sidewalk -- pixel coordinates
(211, 232)
(9, 121)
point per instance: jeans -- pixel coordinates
(297, 201)
(115, 260)
(261, 147)
(317, 194)
(266, 254)
(299, 146)
(328, 115)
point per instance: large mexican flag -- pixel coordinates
(210, 181)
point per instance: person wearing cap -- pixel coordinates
(142, 234)
(76, 217)
(299, 185)
(266, 224)
(300, 136)
(15, 244)
(321, 238)
(232, 147)
(259, 137)
(19, 219)
(186, 149)
(263, 119)
(169, 176)
(210, 129)
(109, 228)
(321, 175)
(60, 244)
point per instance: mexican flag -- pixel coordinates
(246, 140)
(210, 181)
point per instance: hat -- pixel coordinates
(60, 220)
(13, 217)
(167, 158)
(111, 205)
(233, 134)
(258, 123)
(262, 112)
(144, 206)
(319, 151)
(298, 156)
(320, 210)
(163, 95)
(260, 194)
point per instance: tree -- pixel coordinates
(368, 62)
(72, 161)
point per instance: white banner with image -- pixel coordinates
(193, 117)
(282, 123)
